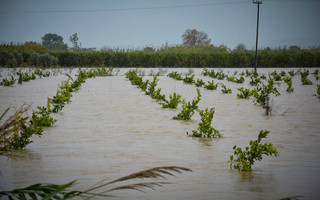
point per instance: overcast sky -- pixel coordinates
(140, 23)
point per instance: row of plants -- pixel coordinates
(199, 82)
(243, 160)
(16, 131)
(24, 77)
(188, 108)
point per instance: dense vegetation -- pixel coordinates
(191, 57)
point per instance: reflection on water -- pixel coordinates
(111, 129)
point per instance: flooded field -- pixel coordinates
(111, 129)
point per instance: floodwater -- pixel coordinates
(112, 129)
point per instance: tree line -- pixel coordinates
(195, 51)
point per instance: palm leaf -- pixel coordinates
(57, 192)
(149, 173)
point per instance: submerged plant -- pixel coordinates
(318, 91)
(152, 86)
(288, 81)
(64, 191)
(243, 159)
(211, 85)
(42, 116)
(244, 93)
(225, 90)
(175, 75)
(291, 73)
(220, 75)
(304, 78)
(262, 93)
(173, 101)
(15, 132)
(24, 77)
(8, 82)
(102, 71)
(188, 108)
(235, 79)
(255, 80)
(189, 79)
(204, 127)
(199, 83)
(316, 74)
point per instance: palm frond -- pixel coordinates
(59, 192)
(156, 172)
(153, 173)
(139, 186)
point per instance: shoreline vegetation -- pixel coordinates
(29, 55)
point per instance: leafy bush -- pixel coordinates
(254, 80)
(244, 93)
(10, 58)
(24, 77)
(188, 79)
(188, 108)
(173, 101)
(243, 159)
(15, 132)
(43, 60)
(288, 81)
(8, 82)
(175, 75)
(304, 78)
(199, 83)
(204, 127)
(261, 93)
(211, 85)
(42, 116)
(225, 90)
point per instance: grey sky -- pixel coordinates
(140, 23)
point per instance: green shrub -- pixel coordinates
(204, 127)
(42, 60)
(199, 83)
(9, 58)
(225, 90)
(42, 116)
(211, 85)
(243, 159)
(304, 78)
(188, 79)
(8, 82)
(175, 75)
(244, 93)
(173, 101)
(188, 108)
(288, 81)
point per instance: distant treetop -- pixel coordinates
(194, 38)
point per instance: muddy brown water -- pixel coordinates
(112, 129)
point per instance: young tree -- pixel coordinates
(54, 42)
(194, 38)
(74, 40)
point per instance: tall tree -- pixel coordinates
(54, 42)
(194, 38)
(74, 40)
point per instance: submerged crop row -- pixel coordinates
(24, 77)
(16, 131)
(199, 83)
(188, 108)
